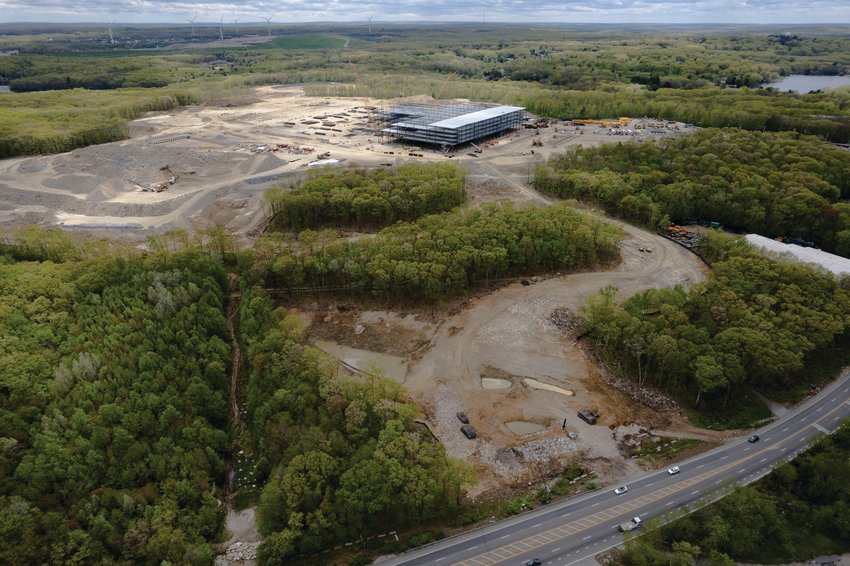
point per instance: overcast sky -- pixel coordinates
(293, 11)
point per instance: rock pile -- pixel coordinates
(238, 553)
(566, 321)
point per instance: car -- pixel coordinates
(621, 489)
(468, 431)
(753, 438)
(534, 562)
(673, 471)
(463, 418)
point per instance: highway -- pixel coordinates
(573, 531)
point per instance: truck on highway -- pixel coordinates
(630, 524)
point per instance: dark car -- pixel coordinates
(534, 562)
(754, 438)
(463, 418)
(468, 431)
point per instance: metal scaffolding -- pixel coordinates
(449, 125)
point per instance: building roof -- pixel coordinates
(835, 264)
(472, 117)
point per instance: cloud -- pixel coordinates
(294, 11)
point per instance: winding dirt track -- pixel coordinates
(510, 330)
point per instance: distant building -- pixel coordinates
(448, 125)
(10, 52)
(835, 264)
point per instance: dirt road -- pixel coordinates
(510, 331)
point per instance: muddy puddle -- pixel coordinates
(495, 383)
(522, 428)
(394, 367)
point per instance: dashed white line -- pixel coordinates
(585, 538)
(595, 504)
(700, 466)
(669, 503)
(786, 428)
(718, 482)
(832, 400)
(565, 515)
(724, 457)
(694, 492)
(557, 550)
(650, 484)
(473, 547)
(438, 559)
(762, 460)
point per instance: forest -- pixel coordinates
(113, 415)
(366, 199)
(773, 184)
(440, 255)
(756, 322)
(342, 457)
(553, 71)
(114, 424)
(799, 511)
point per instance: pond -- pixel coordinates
(394, 367)
(808, 83)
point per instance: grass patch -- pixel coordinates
(664, 448)
(309, 42)
(743, 410)
(568, 483)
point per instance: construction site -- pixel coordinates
(508, 358)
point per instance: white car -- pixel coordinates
(673, 471)
(621, 489)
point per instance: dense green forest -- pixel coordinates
(113, 379)
(772, 184)
(343, 457)
(553, 71)
(756, 322)
(439, 255)
(364, 198)
(800, 510)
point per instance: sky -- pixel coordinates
(298, 11)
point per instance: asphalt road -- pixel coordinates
(573, 531)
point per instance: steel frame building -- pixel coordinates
(449, 125)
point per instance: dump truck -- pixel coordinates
(630, 525)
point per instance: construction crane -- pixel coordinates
(360, 85)
(439, 93)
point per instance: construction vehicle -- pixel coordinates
(589, 416)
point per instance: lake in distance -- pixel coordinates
(808, 83)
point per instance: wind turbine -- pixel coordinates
(370, 24)
(192, 21)
(220, 29)
(237, 25)
(269, 24)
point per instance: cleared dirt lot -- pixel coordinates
(210, 168)
(203, 166)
